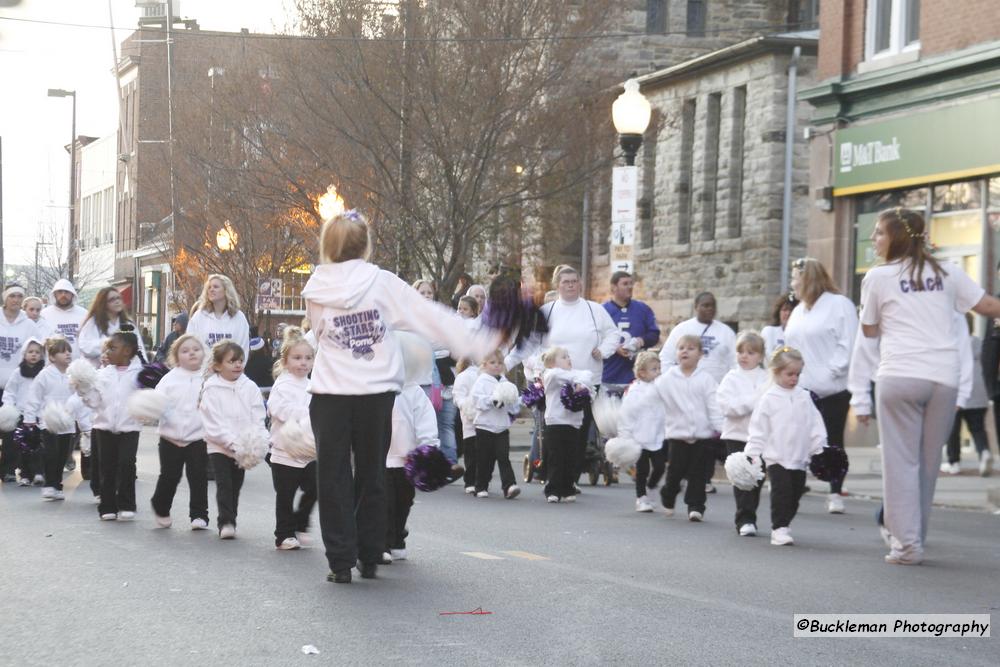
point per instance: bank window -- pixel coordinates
(957, 197)
(891, 26)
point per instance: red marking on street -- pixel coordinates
(478, 611)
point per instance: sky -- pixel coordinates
(35, 128)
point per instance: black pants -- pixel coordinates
(746, 501)
(117, 464)
(787, 486)
(55, 449)
(469, 452)
(399, 500)
(834, 410)
(493, 449)
(174, 461)
(686, 460)
(715, 452)
(643, 475)
(975, 419)
(352, 505)
(90, 466)
(228, 482)
(287, 480)
(561, 443)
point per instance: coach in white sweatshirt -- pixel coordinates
(216, 315)
(15, 328)
(718, 340)
(63, 316)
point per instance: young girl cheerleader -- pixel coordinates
(642, 419)
(16, 395)
(182, 437)
(786, 430)
(290, 469)
(116, 433)
(562, 426)
(738, 394)
(231, 406)
(492, 423)
(693, 421)
(464, 381)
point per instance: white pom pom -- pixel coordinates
(605, 410)
(623, 452)
(57, 418)
(85, 443)
(297, 440)
(250, 448)
(146, 405)
(82, 376)
(9, 415)
(743, 473)
(506, 394)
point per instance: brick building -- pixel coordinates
(906, 107)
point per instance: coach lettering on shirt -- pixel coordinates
(637, 324)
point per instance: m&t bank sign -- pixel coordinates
(863, 155)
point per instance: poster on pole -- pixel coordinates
(269, 294)
(624, 194)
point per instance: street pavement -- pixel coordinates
(583, 584)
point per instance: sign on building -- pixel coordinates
(269, 294)
(624, 200)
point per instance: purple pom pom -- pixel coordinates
(28, 438)
(427, 468)
(534, 395)
(830, 465)
(573, 400)
(151, 374)
(511, 310)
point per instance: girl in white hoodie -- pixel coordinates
(642, 419)
(51, 387)
(230, 405)
(739, 392)
(562, 426)
(492, 423)
(289, 401)
(16, 393)
(353, 307)
(464, 381)
(182, 437)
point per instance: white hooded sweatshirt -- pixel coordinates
(228, 409)
(354, 307)
(65, 322)
(786, 428)
(109, 398)
(414, 423)
(18, 387)
(180, 423)
(12, 337)
(288, 401)
(210, 328)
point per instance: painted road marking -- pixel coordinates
(480, 555)
(525, 555)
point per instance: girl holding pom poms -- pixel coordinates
(785, 430)
(496, 401)
(15, 400)
(182, 437)
(462, 391)
(49, 392)
(642, 419)
(562, 424)
(293, 447)
(232, 412)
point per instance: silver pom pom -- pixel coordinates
(82, 376)
(9, 416)
(623, 452)
(297, 440)
(605, 411)
(250, 448)
(742, 472)
(57, 418)
(506, 394)
(146, 405)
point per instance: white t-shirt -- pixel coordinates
(774, 337)
(917, 333)
(718, 346)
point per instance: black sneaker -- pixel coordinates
(339, 577)
(367, 570)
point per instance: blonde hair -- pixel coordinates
(784, 357)
(56, 344)
(690, 338)
(291, 338)
(28, 299)
(815, 280)
(462, 364)
(560, 271)
(175, 348)
(421, 281)
(221, 350)
(645, 358)
(232, 298)
(549, 356)
(752, 340)
(495, 354)
(344, 237)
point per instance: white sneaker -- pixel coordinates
(748, 530)
(288, 544)
(483, 494)
(709, 488)
(834, 504)
(58, 495)
(110, 516)
(470, 489)
(96, 500)
(398, 554)
(668, 511)
(780, 537)
(48, 493)
(552, 499)
(162, 521)
(199, 524)
(227, 532)
(569, 499)
(985, 463)
(951, 468)
(303, 538)
(39, 480)
(643, 505)
(126, 516)
(512, 492)
(895, 557)
(695, 517)
(24, 481)
(886, 536)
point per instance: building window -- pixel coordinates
(735, 213)
(696, 18)
(892, 26)
(803, 14)
(686, 166)
(656, 17)
(107, 227)
(710, 169)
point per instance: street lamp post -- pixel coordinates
(71, 260)
(630, 113)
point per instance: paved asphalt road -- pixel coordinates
(590, 583)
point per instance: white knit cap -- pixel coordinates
(13, 289)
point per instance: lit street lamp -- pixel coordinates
(630, 113)
(226, 237)
(71, 260)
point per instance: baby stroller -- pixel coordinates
(595, 465)
(534, 463)
(605, 418)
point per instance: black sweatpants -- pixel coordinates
(975, 419)
(561, 443)
(686, 460)
(746, 501)
(174, 461)
(352, 505)
(715, 452)
(399, 500)
(469, 452)
(493, 450)
(787, 486)
(55, 450)
(288, 480)
(834, 409)
(10, 455)
(644, 476)
(117, 461)
(228, 482)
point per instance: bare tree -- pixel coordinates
(51, 263)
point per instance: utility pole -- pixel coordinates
(405, 140)
(170, 116)
(3, 267)
(71, 260)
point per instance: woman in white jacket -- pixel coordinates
(354, 306)
(106, 316)
(216, 315)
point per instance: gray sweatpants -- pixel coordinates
(914, 420)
